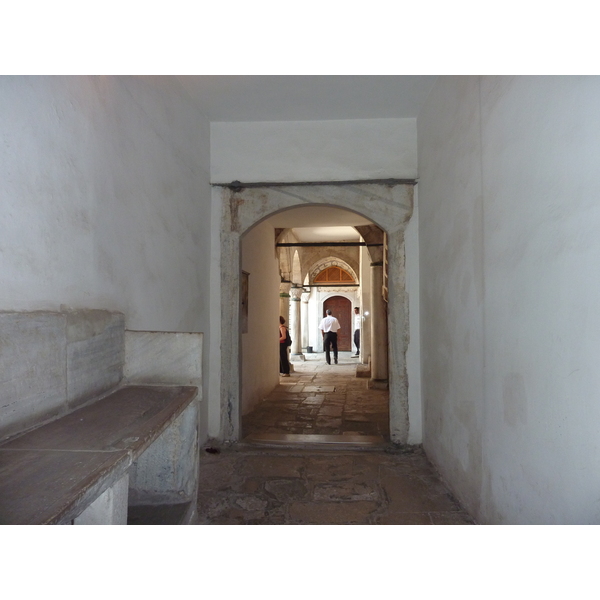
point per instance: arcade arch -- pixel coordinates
(321, 291)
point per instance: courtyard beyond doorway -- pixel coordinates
(321, 404)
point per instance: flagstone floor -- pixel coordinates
(321, 399)
(245, 485)
(313, 469)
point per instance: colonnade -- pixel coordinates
(294, 303)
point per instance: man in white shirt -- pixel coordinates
(357, 322)
(329, 327)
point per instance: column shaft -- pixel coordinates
(304, 318)
(284, 301)
(379, 331)
(295, 326)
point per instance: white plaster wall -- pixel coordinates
(213, 377)
(451, 279)
(413, 353)
(260, 346)
(509, 218)
(313, 150)
(104, 186)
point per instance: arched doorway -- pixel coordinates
(341, 309)
(387, 205)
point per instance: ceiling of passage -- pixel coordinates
(307, 97)
(326, 234)
(320, 223)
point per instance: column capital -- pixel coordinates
(296, 293)
(305, 297)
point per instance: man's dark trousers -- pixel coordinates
(357, 340)
(330, 341)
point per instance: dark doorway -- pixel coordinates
(341, 309)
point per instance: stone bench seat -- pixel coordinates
(127, 443)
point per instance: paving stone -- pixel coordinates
(305, 417)
(215, 476)
(275, 516)
(331, 513)
(272, 466)
(329, 468)
(349, 492)
(314, 400)
(286, 424)
(404, 519)
(252, 504)
(331, 411)
(251, 486)
(328, 422)
(407, 493)
(211, 507)
(286, 490)
(358, 418)
(336, 398)
(451, 518)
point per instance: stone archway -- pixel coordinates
(388, 205)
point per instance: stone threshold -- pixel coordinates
(304, 440)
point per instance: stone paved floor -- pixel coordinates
(312, 483)
(321, 399)
(283, 486)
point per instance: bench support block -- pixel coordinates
(110, 508)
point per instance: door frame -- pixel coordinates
(388, 205)
(338, 295)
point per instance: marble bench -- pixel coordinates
(110, 450)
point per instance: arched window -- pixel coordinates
(334, 275)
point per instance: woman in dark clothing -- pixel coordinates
(284, 364)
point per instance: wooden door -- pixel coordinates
(341, 309)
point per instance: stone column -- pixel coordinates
(295, 330)
(379, 336)
(284, 302)
(304, 318)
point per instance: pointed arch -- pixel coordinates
(332, 262)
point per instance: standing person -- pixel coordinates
(329, 327)
(357, 323)
(284, 343)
